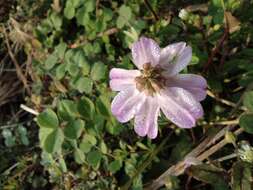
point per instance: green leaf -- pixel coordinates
(67, 110)
(90, 5)
(23, 135)
(113, 127)
(79, 156)
(94, 158)
(50, 61)
(75, 3)
(85, 146)
(79, 58)
(73, 69)
(56, 20)
(62, 165)
(82, 16)
(9, 139)
(103, 147)
(69, 10)
(217, 3)
(74, 129)
(115, 166)
(103, 106)
(86, 108)
(248, 100)
(87, 143)
(60, 71)
(48, 119)
(246, 122)
(83, 84)
(241, 176)
(53, 141)
(60, 50)
(90, 138)
(120, 22)
(209, 175)
(125, 12)
(98, 71)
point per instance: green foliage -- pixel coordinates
(48, 119)
(53, 141)
(241, 175)
(248, 100)
(211, 175)
(246, 122)
(74, 129)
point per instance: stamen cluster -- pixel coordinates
(151, 80)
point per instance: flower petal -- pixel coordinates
(121, 84)
(175, 58)
(126, 103)
(186, 100)
(175, 111)
(145, 122)
(145, 50)
(117, 73)
(195, 84)
(122, 79)
(169, 52)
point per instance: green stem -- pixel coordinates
(223, 5)
(142, 167)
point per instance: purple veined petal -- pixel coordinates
(145, 122)
(126, 103)
(145, 50)
(195, 84)
(179, 62)
(122, 79)
(186, 100)
(117, 73)
(169, 52)
(153, 129)
(121, 84)
(175, 112)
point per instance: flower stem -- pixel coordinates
(142, 167)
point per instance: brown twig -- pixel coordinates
(20, 74)
(151, 9)
(217, 147)
(226, 102)
(180, 167)
(199, 7)
(216, 49)
(97, 7)
(108, 32)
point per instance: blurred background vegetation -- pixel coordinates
(56, 128)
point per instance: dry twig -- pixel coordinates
(180, 167)
(20, 74)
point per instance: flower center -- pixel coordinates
(151, 80)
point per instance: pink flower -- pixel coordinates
(157, 85)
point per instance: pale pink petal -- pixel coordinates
(122, 79)
(121, 84)
(126, 103)
(169, 52)
(184, 58)
(175, 112)
(153, 129)
(116, 73)
(186, 100)
(195, 84)
(145, 122)
(179, 61)
(145, 50)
